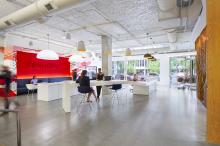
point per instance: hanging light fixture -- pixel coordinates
(48, 54)
(128, 52)
(75, 58)
(152, 58)
(81, 46)
(147, 56)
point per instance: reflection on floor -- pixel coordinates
(169, 117)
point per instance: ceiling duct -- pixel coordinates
(167, 9)
(50, 6)
(9, 23)
(172, 37)
(38, 9)
(166, 5)
(184, 3)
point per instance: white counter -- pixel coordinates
(49, 91)
(70, 88)
(66, 89)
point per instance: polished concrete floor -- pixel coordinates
(168, 117)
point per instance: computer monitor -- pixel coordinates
(107, 78)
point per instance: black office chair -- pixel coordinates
(116, 88)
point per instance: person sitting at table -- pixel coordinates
(99, 77)
(34, 80)
(84, 85)
(135, 78)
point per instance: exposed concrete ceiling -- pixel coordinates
(131, 23)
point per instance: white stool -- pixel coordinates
(31, 88)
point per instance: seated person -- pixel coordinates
(135, 78)
(84, 85)
(34, 80)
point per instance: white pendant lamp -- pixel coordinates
(48, 54)
(128, 52)
(75, 58)
(81, 46)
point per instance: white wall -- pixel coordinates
(164, 69)
(41, 44)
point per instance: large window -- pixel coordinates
(131, 68)
(126, 68)
(154, 67)
(182, 67)
(118, 69)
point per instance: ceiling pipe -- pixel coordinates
(166, 5)
(36, 11)
(172, 37)
(167, 9)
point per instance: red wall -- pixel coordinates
(28, 65)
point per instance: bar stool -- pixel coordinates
(115, 88)
(83, 98)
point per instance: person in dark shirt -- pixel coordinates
(74, 75)
(84, 85)
(99, 77)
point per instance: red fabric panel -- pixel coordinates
(28, 65)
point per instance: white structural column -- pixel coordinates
(107, 55)
(164, 69)
(106, 58)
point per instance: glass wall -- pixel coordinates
(126, 68)
(182, 68)
(118, 69)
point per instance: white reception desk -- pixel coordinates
(70, 88)
(66, 89)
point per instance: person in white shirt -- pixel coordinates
(34, 80)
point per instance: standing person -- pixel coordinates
(34, 80)
(6, 75)
(99, 77)
(84, 85)
(74, 74)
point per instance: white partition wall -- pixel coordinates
(164, 69)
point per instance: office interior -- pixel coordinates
(159, 61)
